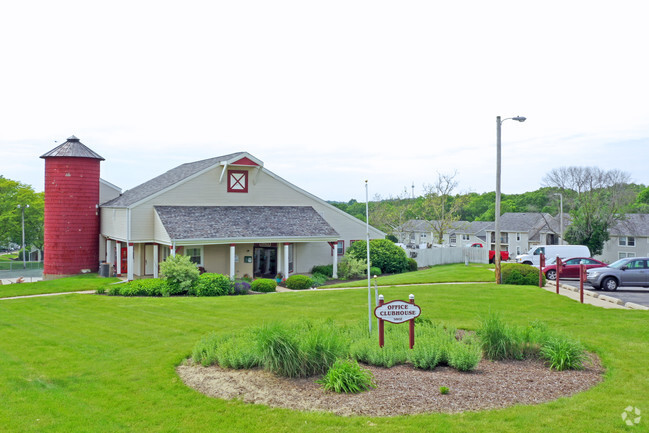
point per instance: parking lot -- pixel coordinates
(637, 295)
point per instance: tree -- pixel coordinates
(12, 194)
(391, 215)
(601, 200)
(440, 207)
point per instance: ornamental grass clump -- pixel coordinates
(499, 340)
(346, 376)
(562, 353)
(279, 351)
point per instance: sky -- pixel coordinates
(329, 94)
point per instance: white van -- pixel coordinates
(552, 252)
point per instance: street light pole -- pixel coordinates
(561, 217)
(22, 208)
(497, 213)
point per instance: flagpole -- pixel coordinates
(369, 286)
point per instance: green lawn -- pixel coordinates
(70, 284)
(106, 364)
(7, 257)
(437, 274)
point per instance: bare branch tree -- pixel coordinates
(440, 206)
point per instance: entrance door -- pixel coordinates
(124, 259)
(148, 259)
(265, 262)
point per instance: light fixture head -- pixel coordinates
(519, 118)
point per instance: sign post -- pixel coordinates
(397, 312)
(541, 266)
(582, 278)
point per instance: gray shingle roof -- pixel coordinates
(634, 224)
(233, 222)
(165, 180)
(521, 221)
(72, 148)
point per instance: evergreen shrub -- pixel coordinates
(263, 285)
(519, 274)
(384, 254)
(299, 282)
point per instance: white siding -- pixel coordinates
(113, 223)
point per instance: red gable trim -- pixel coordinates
(245, 161)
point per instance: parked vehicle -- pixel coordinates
(571, 267)
(504, 255)
(551, 252)
(632, 271)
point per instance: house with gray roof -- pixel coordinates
(231, 215)
(520, 231)
(629, 237)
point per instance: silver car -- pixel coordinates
(632, 271)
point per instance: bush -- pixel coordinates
(412, 265)
(145, 287)
(392, 238)
(326, 270)
(464, 356)
(348, 377)
(241, 288)
(299, 282)
(499, 341)
(384, 254)
(516, 273)
(374, 270)
(563, 354)
(209, 284)
(279, 351)
(180, 273)
(350, 267)
(318, 280)
(263, 285)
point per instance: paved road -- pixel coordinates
(637, 295)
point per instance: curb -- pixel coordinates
(601, 297)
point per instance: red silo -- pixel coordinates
(71, 209)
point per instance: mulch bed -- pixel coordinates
(402, 389)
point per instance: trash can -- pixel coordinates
(104, 269)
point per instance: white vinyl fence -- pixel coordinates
(447, 255)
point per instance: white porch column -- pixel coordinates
(173, 249)
(286, 260)
(335, 254)
(232, 271)
(118, 255)
(129, 262)
(156, 247)
(110, 252)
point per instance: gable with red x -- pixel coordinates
(237, 181)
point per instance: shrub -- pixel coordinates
(145, 287)
(350, 267)
(241, 288)
(209, 284)
(498, 340)
(180, 273)
(279, 351)
(348, 377)
(326, 270)
(412, 265)
(443, 390)
(563, 354)
(321, 345)
(263, 285)
(299, 282)
(516, 273)
(426, 355)
(464, 356)
(318, 280)
(374, 270)
(392, 238)
(384, 254)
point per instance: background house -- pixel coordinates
(628, 238)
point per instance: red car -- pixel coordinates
(571, 267)
(504, 255)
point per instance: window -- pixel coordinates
(237, 181)
(518, 250)
(195, 254)
(290, 258)
(625, 255)
(423, 236)
(626, 241)
(341, 248)
(466, 237)
(453, 239)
